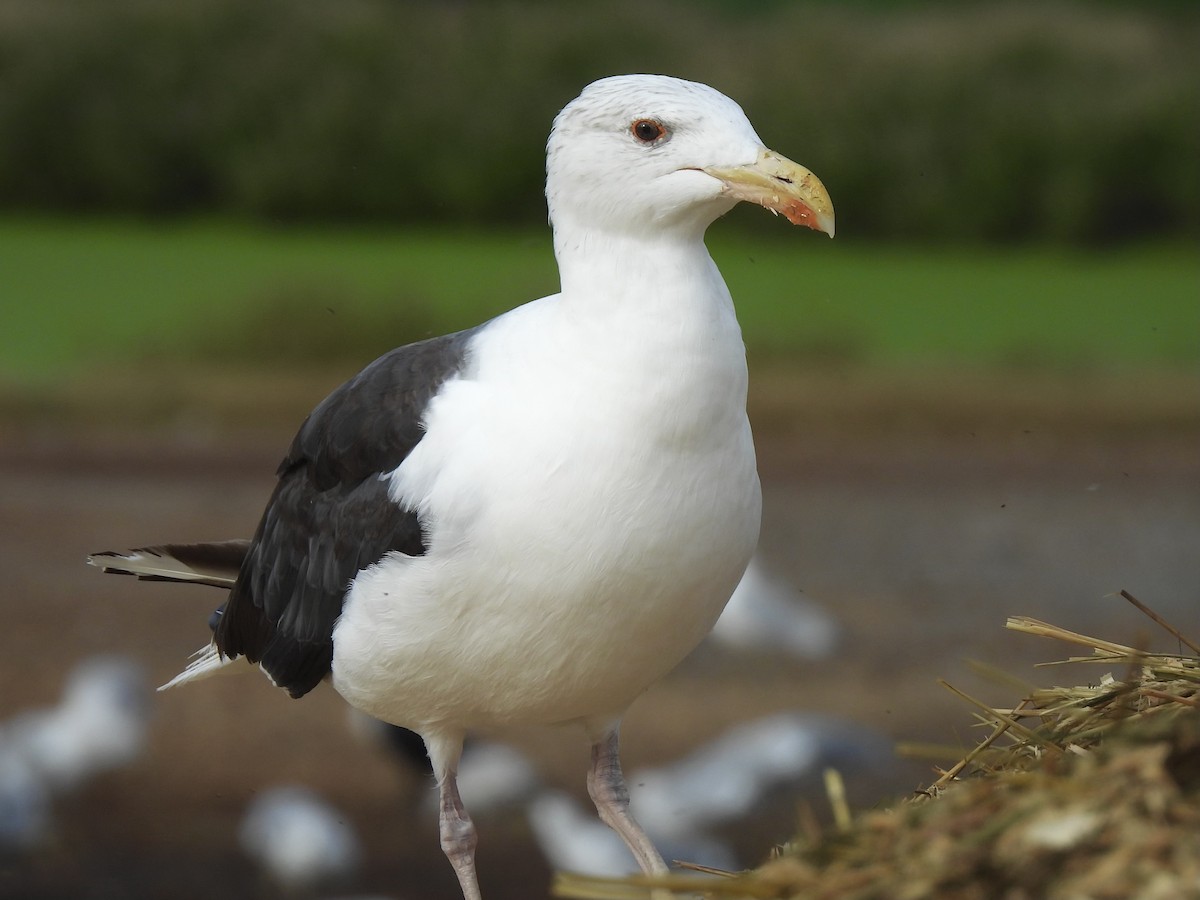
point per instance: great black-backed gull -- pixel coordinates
(533, 520)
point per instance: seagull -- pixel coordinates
(99, 725)
(531, 521)
(300, 841)
(767, 613)
(725, 780)
(572, 841)
(492, 776)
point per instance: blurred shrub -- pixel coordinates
(312, 324)
(1065, 122)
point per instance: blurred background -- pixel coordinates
(981, 400)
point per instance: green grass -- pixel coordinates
(1027, 308)
(81, 294)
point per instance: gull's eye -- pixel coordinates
(647, 130)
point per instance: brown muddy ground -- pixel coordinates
(921, 532)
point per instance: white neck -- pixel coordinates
(656, 278)
(654, 311)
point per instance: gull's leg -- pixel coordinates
(456, 828)
(606, 785)
(458, 839)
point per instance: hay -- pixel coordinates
(1090, 791)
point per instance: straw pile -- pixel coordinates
(1076, 792)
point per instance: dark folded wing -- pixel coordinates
(330, 515)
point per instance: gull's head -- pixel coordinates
(636, 153)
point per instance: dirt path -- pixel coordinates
(921, 546)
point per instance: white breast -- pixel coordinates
(591, 501)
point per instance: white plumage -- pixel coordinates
(596, 463)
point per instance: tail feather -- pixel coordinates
(206, 662)
(216, 563)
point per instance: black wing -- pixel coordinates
(330, 515)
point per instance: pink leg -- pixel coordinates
(457, 829)
(458, 838)
(606, 784)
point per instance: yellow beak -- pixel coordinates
(782, 186)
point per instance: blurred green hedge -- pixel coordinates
(1067, 122)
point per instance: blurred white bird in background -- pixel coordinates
(26, 812)
(99, 725)
(768, 613)
(722, 783)
(301, 843)
(729, 778)
(492, 776)
(572, 840)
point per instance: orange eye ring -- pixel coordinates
(648, 130)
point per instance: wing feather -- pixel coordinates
(330, 514)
